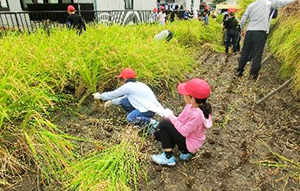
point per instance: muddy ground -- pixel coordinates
(229, 159)
(236, 148)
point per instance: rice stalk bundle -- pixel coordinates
(9, 167)
(51, 150)
(116, 168)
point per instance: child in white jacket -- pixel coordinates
(136, 98)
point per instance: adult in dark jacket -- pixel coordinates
(74, 20)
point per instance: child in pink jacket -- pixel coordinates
(187, 131)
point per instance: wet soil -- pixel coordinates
(239, 143)
(238, 147)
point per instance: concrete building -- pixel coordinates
(187, 4)
(125, 4)
(99, 5)
(13, 13)
(224, 6)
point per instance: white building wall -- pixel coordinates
(15, 5)
(106, 5)
(120, 4)
(196, 4)
(83, 1)
(144, 4)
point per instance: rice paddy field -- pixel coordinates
(54, 136)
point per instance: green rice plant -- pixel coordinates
(284, 43)
(219, 19)
(35, 70)
(194, 33)
(243, 4)
(36, 67)
(50, 149)
(293, 167)
(116, 168)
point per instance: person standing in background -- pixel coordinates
(258, 14)
(153, 16)
(74, 20)
(162, 16)
(231, 25)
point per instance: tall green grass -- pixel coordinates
(116, 168)
(284, 43)
(243, 4)
(51, 149)
(36, 69)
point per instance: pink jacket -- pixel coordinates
(191, 124)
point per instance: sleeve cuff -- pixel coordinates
(172, 117)
(116, 101)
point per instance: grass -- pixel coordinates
(9, 167)
(37, 70)
(51, 150)
(116, 168)
(281, 162)
(284, 43)
(243, 4)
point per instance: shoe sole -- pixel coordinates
(165, 164)
(185, 159)
(172, 164)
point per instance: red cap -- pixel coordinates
(127, 73)
(71, 8)
(231, 10)
(196, 88)
(162, 7)
(155, 10)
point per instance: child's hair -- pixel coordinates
(130, 80)
(232, 13)
(205, 107)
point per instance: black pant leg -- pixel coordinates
(246, 51)
(234, 40)
(238, 39)
(228, 42)
(169, 136)
(259, 39)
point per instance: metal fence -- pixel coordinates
(30, 21)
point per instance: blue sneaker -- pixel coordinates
(186, 156)
(163, 160)
(153, 127)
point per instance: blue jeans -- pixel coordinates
(134, 115)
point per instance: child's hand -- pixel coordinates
(97, 95)
(108, 104)
(168, 113)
